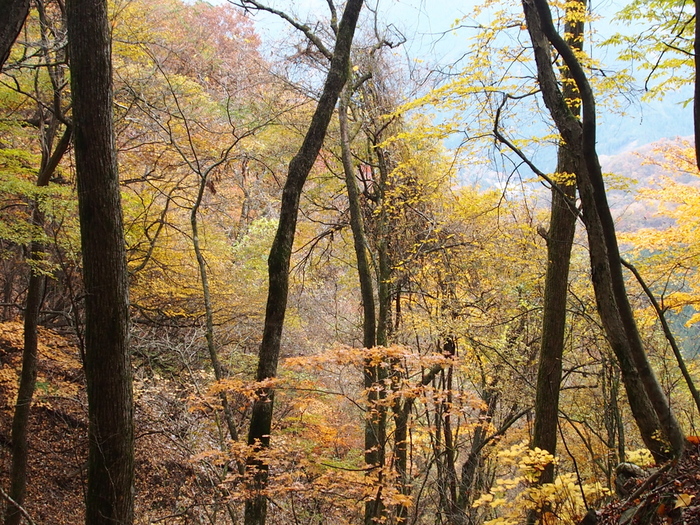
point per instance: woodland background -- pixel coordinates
(454, 228)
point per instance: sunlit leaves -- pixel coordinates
(668, 251)
(661, 43)
(512, 497)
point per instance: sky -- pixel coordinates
(428, 26)
(421, 21)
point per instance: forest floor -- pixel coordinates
(669, 495)
(170, 486)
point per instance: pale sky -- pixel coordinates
(427, 26)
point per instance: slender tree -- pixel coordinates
(27, 383)
(280, 255)
(48, 126)
(374, 430)
(110, 485)
(560, 237)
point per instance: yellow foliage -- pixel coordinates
(512, 497)
(641, 457)
(668, 254)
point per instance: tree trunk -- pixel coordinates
(14, 14)
(375, 421)
(208, 310)
(35, 296)
(20, 420)
(647, 401)
(669, 424)
(560, 238)
(364, 270)
(474, 459)
(280, 254)
(110, 485)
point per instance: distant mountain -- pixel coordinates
(629, 172)
(644, 123)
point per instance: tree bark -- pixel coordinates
(474, 460)
(647, 401)
(110, 484)
(375, 421)
(208, 310)
(27, 383)
(280, 255)
(14, 14)
(669, 424)
(50, 159)
(364, 269)
(560, 238)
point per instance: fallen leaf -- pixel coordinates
(683, 500)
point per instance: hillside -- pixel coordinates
(635, 170)
(668, 495)
(169, 486)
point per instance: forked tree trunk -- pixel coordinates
(280, 255)
(110, 484)
(375, 421)
(649, 404)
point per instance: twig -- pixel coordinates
(667, 332)
(503, 140)
(17, 506)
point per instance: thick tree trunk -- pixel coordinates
(669, 424)
(647, 401)
(14, 13)
(560, 238)
(110, 485)
(280, 254)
